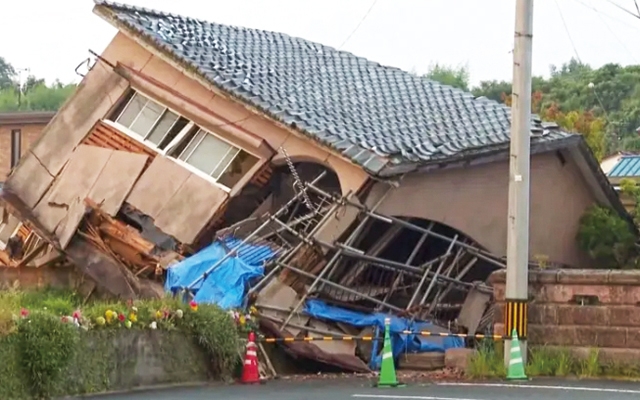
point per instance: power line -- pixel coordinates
(617, 37)
(364, 17)
(566, 28)
(589, 6)
(624, 9)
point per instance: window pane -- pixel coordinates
(208, 154)
(193, 141)
(162, 127)
(238, 169)
(177, 128)
(132, 110)
(147, 118)
(122, 103)
(224, 163)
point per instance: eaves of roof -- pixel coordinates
(26, 118)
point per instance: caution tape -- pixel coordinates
(458, 335)
(373, 338)
(319, 339)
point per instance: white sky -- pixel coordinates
(52, 37)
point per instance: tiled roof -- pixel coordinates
(627, 167)
(375, 115)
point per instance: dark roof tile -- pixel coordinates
(371, 113)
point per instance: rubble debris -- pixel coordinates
(335, 266)
(311, 259)
(421, 361)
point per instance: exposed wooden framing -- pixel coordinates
(378, 247)
(471, 249)
(31, 255)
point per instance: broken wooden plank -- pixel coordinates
(75, 182)
(49, 258)
(32, 254)
(116, 180)
(190, 208)
(157, 185)
(69, 224)
(101, 268)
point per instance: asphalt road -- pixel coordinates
(363, 390)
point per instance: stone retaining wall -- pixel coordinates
(581, 309)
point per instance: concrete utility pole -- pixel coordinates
(518, 224)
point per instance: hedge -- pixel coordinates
(50, 347)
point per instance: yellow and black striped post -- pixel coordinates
(515, 317)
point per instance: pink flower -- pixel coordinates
(76, 314)
(24, 313)
(121, 317)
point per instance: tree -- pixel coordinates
(610, 93)
(34, 95)
(7, 74)
(456, 77)
(592, 128)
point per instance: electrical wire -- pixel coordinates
(624, 46)
(589, 6)
(624, 9)
(295, 89)
(566, 28)
(575, 50)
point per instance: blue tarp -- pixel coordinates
(226, 285)
(400, 343)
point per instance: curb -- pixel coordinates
(142, 389)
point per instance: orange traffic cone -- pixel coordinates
(250, 373)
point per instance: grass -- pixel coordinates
(543, 361)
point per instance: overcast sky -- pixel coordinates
(52, 37)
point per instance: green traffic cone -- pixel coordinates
(388, 376)
(516, 366)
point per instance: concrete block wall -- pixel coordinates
(581, 310)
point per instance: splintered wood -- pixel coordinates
(125, 244)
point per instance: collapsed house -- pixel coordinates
(343, 190)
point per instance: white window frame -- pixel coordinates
(143, 139)
(179, 138)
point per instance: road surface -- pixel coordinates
(363, 390)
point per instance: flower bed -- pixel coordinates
(52, 345)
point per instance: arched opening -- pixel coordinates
(453, 262)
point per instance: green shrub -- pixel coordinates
(607, 238)
(46, 346)
(216, 332)
(42, 353)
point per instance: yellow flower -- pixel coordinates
(100, 321)
(158, 314)
(243, 320)
(133, 317)
(253, 310)
(109, 315)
